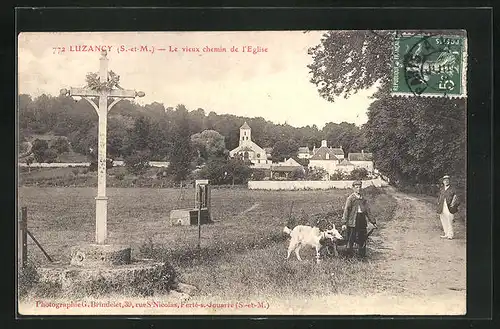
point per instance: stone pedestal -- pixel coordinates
(97, 269)
(93, 255)
(140, 277)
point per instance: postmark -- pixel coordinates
(429, 65)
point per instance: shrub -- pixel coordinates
(359, 174)
(161, 173)
(316, 173)
(338, 175)
(29, 160)
(75, 171)
(259, 174)
(27, 278)
(137, 162)
(120, 175)
(50, 155)
(60, 144)
(39, 148)
(297, 174)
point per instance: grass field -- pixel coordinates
(242, 252)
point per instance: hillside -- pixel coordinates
(155, 125)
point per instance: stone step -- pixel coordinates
(92, 255)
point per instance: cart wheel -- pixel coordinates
(330, 250)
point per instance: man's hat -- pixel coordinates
(356, 183)
(445, 177)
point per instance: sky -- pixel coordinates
(274, 84)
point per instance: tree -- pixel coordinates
(297, 174)
(259, 174)
(284, 149)
(29, 161)
(422, 140)
(60, 144)
(214, 170)
(345, 135)
(138, 137)
(118, 128)
(50, 155)
(182, 150)
(38, 149)
(358, 174)
(316, 173)
(237, 171)
(209, 144)
(413, 139)
(137, 162)
(338, 175)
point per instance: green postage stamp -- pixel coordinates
(429, 65)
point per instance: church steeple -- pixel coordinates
(245, 133)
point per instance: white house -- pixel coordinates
(247, 149)
(285, 168)
(304, 153)
(324, 157)
(345, 166)
(362, 160)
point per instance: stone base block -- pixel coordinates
(139, 277)
(93, 255)
(186, 217)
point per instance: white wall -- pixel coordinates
(313, 185)
(116, 163)
(329, 165)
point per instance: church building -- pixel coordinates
(247, 149)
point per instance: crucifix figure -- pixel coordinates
(102, 111)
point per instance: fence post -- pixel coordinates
(199, 223)
(23, 226)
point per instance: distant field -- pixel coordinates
(67, 215)
(63, 217)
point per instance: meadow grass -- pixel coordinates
(242, 252)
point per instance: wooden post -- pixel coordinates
(199, 224)
(23, 227)
(39, 246)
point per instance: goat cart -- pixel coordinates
(331, 247)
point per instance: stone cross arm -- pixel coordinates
(116, 93)
(87, 93)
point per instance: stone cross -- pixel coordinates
(102, 111)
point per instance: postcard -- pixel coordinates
(242, 173)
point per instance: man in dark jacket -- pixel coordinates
(356, 214)
(447, 206)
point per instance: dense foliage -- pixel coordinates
(154, 127)
(413, 139)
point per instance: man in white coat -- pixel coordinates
(447, 207)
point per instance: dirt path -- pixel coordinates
(417, 260)
(427, 273)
